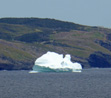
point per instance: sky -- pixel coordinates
(85, 12)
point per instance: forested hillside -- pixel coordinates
(22, 40)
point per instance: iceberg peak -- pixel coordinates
(54, 62)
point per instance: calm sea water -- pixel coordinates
(90, 83)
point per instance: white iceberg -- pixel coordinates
(54, 62)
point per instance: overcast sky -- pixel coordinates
(86, 12)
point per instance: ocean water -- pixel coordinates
(90, 83)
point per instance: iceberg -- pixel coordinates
(54, 62)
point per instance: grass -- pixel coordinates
(14, 53)
(16, 30)
(97, 35)
(79, 53)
